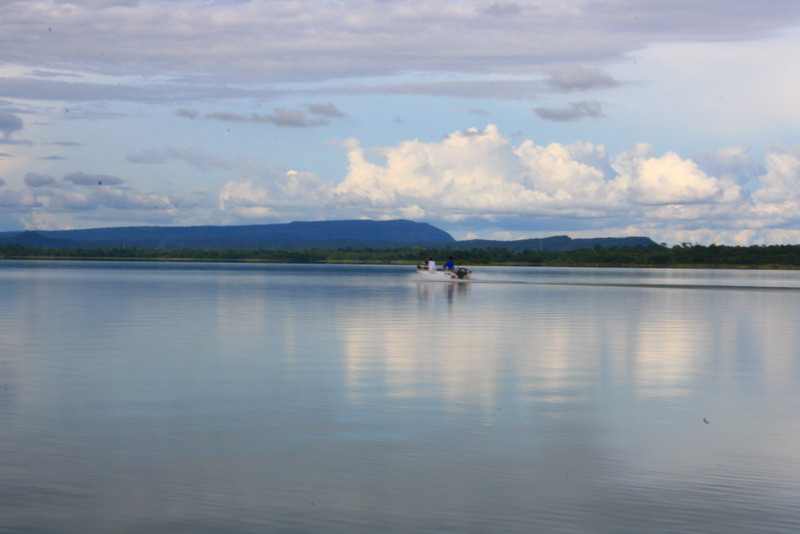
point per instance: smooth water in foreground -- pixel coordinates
(161, 398)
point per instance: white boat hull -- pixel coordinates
(444, 276)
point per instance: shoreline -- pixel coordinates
(173, 259)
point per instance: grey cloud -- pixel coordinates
(2, 182)
(575, 111)
(56, 90)
(66, 143)
(574, 77)
(188, 113)
(292, 117)
(230, 117)
(502, 9)
(9, 123)
(272, 42)
(81, 178)
(280, 117)
(33, 179)
(16, 199)
(193, 156)
(328, 110)
(70, 91)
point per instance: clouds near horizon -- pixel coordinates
(467, 176)
(479, 174)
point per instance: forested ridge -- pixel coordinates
(683, 255)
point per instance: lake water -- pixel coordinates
(228, 398)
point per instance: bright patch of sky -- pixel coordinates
(485, 118)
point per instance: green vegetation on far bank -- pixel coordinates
(684, 255)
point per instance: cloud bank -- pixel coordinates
(279, 117)
(479, 174)
(48, 203)
(185, 49)
(471, 179)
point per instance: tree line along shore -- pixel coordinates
(684, 255)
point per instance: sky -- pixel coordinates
(672, 119)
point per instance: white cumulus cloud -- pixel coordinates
(779, 198)
(480, 175)
(273, 195)
(668, 179)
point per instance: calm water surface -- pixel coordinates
(150, 398)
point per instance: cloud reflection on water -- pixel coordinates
(159, 398)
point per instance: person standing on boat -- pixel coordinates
(431, 264)
(450, 265)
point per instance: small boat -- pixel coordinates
(461, 274)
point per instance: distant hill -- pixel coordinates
(32, 239)
(292, 236)
(559, 242)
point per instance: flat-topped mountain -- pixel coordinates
(558, 242)
(292, 236)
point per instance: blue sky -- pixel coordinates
(667, 118)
